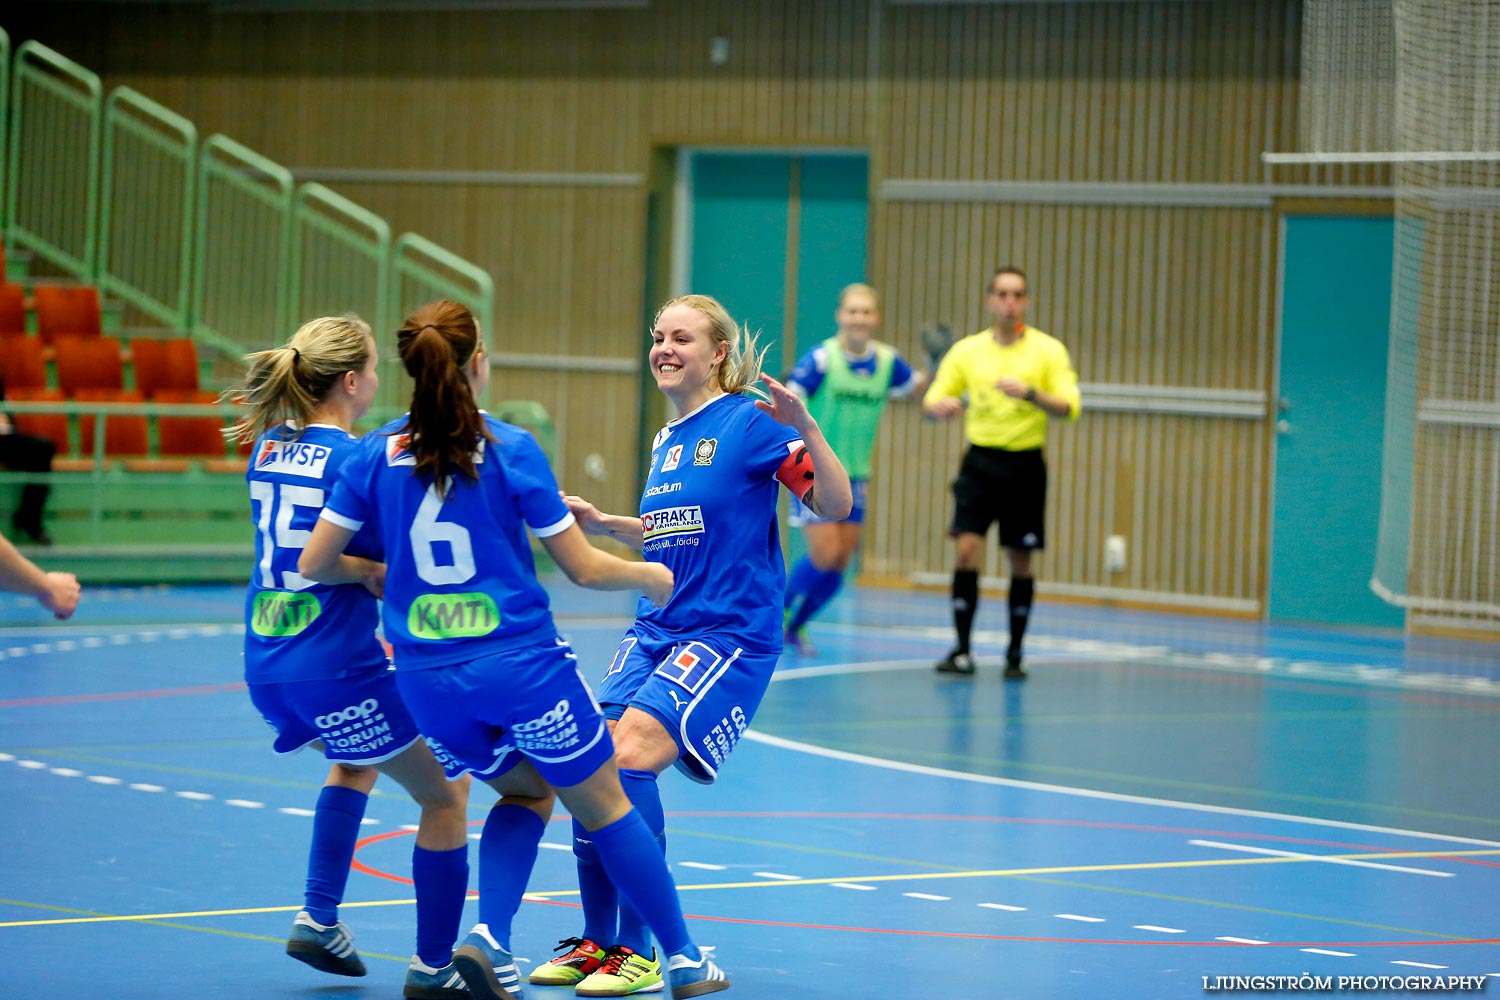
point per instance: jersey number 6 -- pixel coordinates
(427, 531)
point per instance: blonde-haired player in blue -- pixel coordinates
(452, 492)
(315, 669)
(688, 675)
(846, 380)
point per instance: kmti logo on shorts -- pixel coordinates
(452, 616)
(279, 613)
(672, 521)
(297, 458)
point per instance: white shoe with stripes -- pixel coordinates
(487, 968)
(328, 949)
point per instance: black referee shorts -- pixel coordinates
(1006, 486)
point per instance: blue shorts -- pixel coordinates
(703, 691)
(485, 715)
(802, 515)
(360, 719)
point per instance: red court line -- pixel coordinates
(78, 699)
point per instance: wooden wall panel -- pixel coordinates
(1162, 93)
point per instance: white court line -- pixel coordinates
(777, 875)
(1080, 919)
(854, 885)
(557, 847)
(1160, 930)
(1240, 940)
(1325, 951)
(700, 864)
(927, 895)
(1087, 793)
(1002, 906)
(1245, 849)
(1420, 965)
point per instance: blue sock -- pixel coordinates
(797, 583)
(507, 853)
(595, 890)
(335, 829)
(442, 881)
(643, 792)
(635, 864)
(819, 593)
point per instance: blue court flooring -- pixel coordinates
(1167, 798)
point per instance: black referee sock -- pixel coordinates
(965, 600)
(1021, 590)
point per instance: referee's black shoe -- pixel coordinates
(956, 662)
(1013, 668)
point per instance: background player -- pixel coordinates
(846, 381)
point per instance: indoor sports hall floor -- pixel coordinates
(1167, 798)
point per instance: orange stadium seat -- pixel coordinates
(125, 434)
(196, 437)
(12, 307)
(53, 426)
(89, 363)
(23, 364)
(68, 310)
(164, 364)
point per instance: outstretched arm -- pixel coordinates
(598, 570)
(57, 592)
(594, 521)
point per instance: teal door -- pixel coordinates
(1335, 323)
(774, 237)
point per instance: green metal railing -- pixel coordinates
(52, 179)
(145, 222)
(341, 258)
(4, 129)
(424, 271)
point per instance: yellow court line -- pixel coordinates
(910, 877)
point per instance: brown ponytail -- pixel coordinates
(435, 343)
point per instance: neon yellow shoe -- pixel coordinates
(623, 974)
(583, 958)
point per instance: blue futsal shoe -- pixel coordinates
(693, 979)
(327, 949)
(423, 982)
(488, 969)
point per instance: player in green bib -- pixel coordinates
(847, 380)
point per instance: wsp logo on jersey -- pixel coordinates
(398, 450)
(299, 458)
(672, 521)
(278, 614)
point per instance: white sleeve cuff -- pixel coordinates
(551, 529)
(333, 517)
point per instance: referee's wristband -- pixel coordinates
(1031, 394)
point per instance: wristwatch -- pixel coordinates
(1031, 394)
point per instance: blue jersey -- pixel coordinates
(460, 581)
(297, 630)
(709, 514)
(807, 374)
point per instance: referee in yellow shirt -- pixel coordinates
(1015, 377)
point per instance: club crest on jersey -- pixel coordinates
(672, 521)
(297, 458)
(703, 454)
(674, 456)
